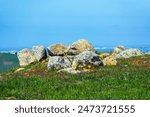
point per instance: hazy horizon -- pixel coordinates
(102, 23)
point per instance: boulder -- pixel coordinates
(26, 57)
(58, 62)
(70, 58)
(69, 70)
(119, 49)
(110, 61)
(147, 53)
(86, 59)
(57, 50)
(39, 52)
(104, 55)
(79, 47)
(129, 53)
(114, 55)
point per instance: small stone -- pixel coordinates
(69, 70)
(10, 98)
(20, 69)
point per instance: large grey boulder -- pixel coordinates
(87, 59)
(129, 53)
(58, 62)
(26, 57)
(70, 58)
(119, 49)
(57, 50)
(39, 52)
(79, 47)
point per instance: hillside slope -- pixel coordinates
(130, 79)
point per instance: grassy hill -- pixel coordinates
(8, 61)
(130, 79)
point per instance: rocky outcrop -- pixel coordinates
(79, 47)
(26, 57)
(57, 50)
(86, 58)
(129, 53)
(110, 61)
(119, 49)
(58, 62)
(39, 52)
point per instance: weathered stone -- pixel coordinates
(20, 69)
(57, 50)
(119, 49)
(79, 47)
(58, 62)
(129, 53)
(147, 53)
(10, 98)
(104, 55)
(85, 59)
(26, 57)
(70, 58)
(69, 70)
(39, 52)
(110, 61)
(114, 55)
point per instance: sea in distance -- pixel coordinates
(8, 57)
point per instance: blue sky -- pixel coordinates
(24, 23)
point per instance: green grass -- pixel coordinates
(129, 80)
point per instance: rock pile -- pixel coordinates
(78, 57)
(130, 53)
(73, 59)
